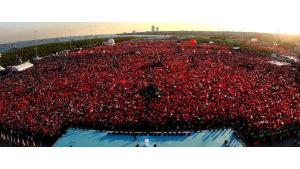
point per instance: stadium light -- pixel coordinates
(243, 34)
(70, 39)
(16, 53)
(278, 36)
(91, 37)
(35, 38)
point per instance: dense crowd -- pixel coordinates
(267, 47)
(153, 86)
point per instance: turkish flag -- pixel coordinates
(123, 82)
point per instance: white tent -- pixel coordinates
(253, 40)
(236, 48)
(37, 58)
(111, 42)
(274, 55)
(1, 68)
(278, 63)
(21, 67)
(292, 58)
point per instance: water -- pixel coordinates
(22, 44)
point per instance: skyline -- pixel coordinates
(22, 31)
(116, 16)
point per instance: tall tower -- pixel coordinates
(157, 29)
(152, 28)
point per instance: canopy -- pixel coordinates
(1, 68)
(21, 67)
(279, 63)
(253, 40)
(37, 58)
(274, 55)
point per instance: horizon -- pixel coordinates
(117, 16)
(94, 76)
(24, 31)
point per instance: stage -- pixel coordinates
(94, 138)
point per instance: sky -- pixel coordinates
(10, 32)
(117, 16)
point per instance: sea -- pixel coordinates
(21, 44)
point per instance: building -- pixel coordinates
(157, 29)
(152, 28)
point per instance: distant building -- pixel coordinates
(157, 29)
(133, 31)
(153, 28)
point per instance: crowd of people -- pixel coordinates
(267, 47)
(152, 86)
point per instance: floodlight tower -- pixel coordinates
(35, 38)
(278, 36)
(16, 52)
(90, 37)
(243, 34)
(70, 39)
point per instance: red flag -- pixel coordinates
(193, 42)
(123, 82)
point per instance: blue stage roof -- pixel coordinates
(94, 138)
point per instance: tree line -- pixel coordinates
(16, 55)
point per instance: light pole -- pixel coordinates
(90, 38)
(16, 53)
(35, 38)
(70, 39)
(278, 36)
(243, 35)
